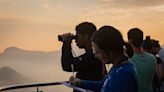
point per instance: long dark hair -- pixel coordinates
(129, 50)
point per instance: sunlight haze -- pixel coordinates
(35, 24)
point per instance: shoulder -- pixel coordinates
(128, 67)
(89, 57)
(88, 54)
(161, 51)
(125, 72)
(150, 55)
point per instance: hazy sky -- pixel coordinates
(35, 24)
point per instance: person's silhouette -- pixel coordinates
(145, 63)
(87, 66)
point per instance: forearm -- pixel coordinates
(67, 57)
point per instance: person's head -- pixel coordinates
(147, 45)
(84, 32)
(135, 37)
(155, 46)
(107, 42)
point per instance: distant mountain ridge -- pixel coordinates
(9, 76)
(17, 65)
(28, 63)
(10, 49)
(15, 54)
(39, 65)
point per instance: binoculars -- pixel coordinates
(61, 38)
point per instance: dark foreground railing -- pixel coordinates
(20, 86)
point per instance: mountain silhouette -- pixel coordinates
(39, 65)
(17, 54)
(9, 76)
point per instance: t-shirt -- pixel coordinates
(121, 78)
(146, 65)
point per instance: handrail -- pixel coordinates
(19, 86)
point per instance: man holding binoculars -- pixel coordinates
(87, 66)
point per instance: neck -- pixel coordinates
(118, 59)
(88, 46)
(137, 49)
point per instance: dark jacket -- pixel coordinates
(87, 66)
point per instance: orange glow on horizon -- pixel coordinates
(34, 25)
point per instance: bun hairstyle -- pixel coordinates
(155, 43)
(108, 39)
(147, 44)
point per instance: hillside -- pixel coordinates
(17, 54)
(9, 76)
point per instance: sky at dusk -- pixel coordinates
(35, 24)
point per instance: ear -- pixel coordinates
(111, 53)
(130, 41)
(86, 37)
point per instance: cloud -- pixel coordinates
(133, 3)
(12, 2)
(6, 0)
(29, 24)
(121, 15)
(121, 9)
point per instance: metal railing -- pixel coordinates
(20, 86)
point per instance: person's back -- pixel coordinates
(148, 47)
(145, 62)
(161, 55)
(159, 52)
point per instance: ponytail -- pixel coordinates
(128, 49)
